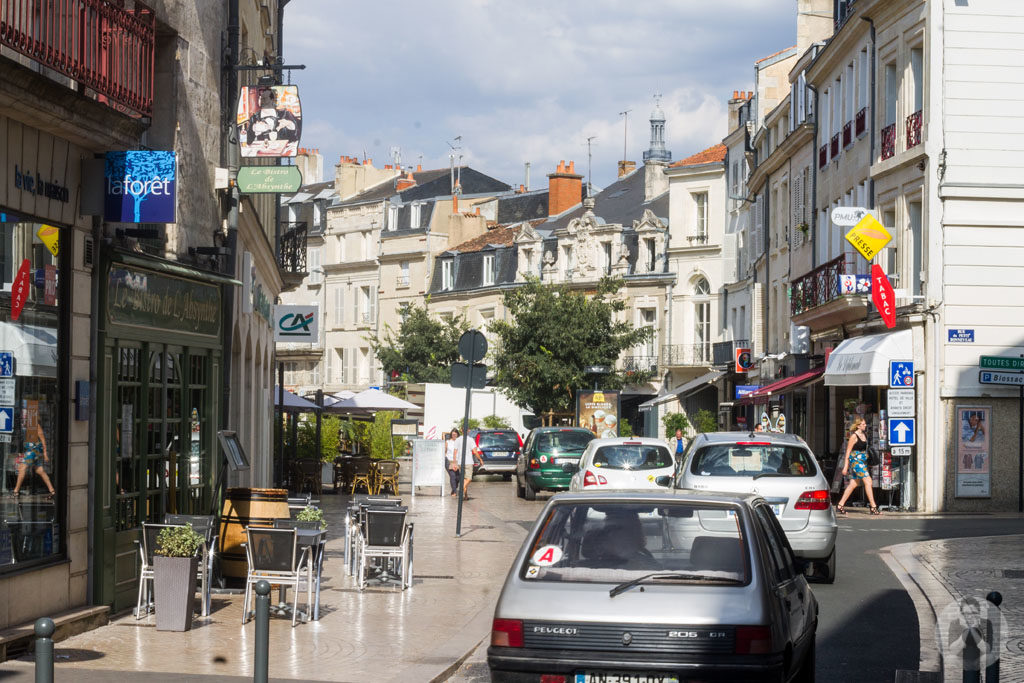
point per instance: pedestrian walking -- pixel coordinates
(455, 446)
(856, 460)
(680, 445)
(449, 459)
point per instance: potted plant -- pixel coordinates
(174, 577)
(312, 514)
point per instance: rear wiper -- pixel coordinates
(771, 474)
(685, 576)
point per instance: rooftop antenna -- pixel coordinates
(396, 157)
(590, 187)
(625, 129)
(527, 168)
(419, 162)
(451, 160)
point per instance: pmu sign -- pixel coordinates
(296, 324)
(139, 187)
(883, 295)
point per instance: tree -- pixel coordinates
(705, 421)
(552, 334)
(496, 422)
(674, 421)
(423, 348)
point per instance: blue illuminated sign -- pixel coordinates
(139, 187)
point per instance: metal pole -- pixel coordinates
(260, 666)
(279, 414)
(1020, 456)
(994, 638)
(465, 429)
(44, 650)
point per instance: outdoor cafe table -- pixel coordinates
(316, 540)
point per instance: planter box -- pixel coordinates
(174, 588)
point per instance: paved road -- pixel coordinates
(868, 629)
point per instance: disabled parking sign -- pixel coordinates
(901, 374)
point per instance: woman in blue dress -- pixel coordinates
(857, 461)
(35, 455)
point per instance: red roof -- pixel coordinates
(774, 54)
(782, 386)
(710, 155)
(503, 237)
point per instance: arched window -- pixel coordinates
(702, 320)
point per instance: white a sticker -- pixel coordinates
(547, 556)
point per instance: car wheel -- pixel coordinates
(507, 476)
(520, 491)
(529, 493)
(827, 569)
(806, 672)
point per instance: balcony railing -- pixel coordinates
(686, 354)
(697, 239)
(724, 353)
(99, 43)
(860, 124)
(819, 286)
(847, 134)
(914, 129)
(640, 364)
(835, 146)
(889, 141)
(292, 258)
(823, 156)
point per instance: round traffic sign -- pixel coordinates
(472, 345)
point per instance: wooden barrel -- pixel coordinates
(246, 507)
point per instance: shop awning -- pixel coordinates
(864, 361)
(781, 386)
(34, 348)
(683, 390)
(178, 269)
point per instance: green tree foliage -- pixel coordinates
(674, 421)
(331, 431)
(379, 439)
(423, 348)
(474, 423)
(625, 428)
(496, 422)
(705, 421)
(551, 334)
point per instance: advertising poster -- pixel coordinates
(973, 458)
(269, 121)
(744, 360)
(598, 411)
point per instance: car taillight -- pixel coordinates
(552, 678)
(507, 633)
(753, 443)
(753, 640)
(591, 479)
(813, 500)
(534, 464)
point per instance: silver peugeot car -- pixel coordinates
(782, 469)
(624, 586)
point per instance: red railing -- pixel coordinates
(98, 42)
(914, 129)
(847, 134)
(819, 286)
(822, 156)
(860, 123)
(889, 141)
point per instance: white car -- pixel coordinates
(624, 463)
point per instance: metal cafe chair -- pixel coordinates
(147, 546)
(273, 555)
(308, 472)
(385, 536)
(317, 552)
(205, 526)
(353, 520)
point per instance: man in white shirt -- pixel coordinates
(455, 459)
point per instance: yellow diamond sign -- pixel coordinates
(49, 236)
(868, 236)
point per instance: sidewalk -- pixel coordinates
(381, 634)
(939, 573)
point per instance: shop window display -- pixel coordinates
(31, 446)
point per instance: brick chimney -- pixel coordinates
(738, 99)
(404, 182)
(626, 167)
(565, 188)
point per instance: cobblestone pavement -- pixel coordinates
(938, 574)
(381, 634)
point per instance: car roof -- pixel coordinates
(619, 440)
(770, 437)
(562, 428)
(657, 495)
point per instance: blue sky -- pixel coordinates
(523, 81)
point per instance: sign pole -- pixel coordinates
(1020, 456)
(462, 457)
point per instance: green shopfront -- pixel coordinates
(157, 412)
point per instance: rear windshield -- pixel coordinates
(633, 457)
(508, 441)
(596, 542)
(564, 442)
(751, 459)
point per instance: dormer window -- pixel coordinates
(649, 247)
(606, 251)
(414, 215)
(392, 217)
(488, 269)
(447, 275)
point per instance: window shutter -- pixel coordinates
(355, 306)
(373, 304)
(339, 307)
(329, 376)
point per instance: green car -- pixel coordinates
(549, 459)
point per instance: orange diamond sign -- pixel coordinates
(868, 237)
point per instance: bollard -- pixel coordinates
(994, 639)
(260, 667)
(44, 650)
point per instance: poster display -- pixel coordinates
(973, 458)
(598, 411)
(428, 470)
(269, 120)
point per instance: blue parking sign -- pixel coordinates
(6, 364)
(6, 419)
(902, 431)
(901, 374)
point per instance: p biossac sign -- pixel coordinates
(139, 187)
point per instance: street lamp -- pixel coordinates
(597, 371)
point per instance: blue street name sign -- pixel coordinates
(959, 335)
(902, 431)
(901, 373)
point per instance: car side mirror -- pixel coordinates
(663, 480)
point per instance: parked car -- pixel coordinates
(499, 450)
(624, 463)
(549, 458)
(782, 469)
(620, 586)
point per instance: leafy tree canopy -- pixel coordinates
(551, 334)
(423, 348)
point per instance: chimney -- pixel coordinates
(419, 168)
(310, 165)
(626, 167)
(455, 204)
(404, 182)
(813, 23)
(739, 98)
(565, 188)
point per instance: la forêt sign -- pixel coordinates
(139, 186)
(268, 179)
(145, 298)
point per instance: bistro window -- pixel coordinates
(31, 442)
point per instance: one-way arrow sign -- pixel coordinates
(901, 431)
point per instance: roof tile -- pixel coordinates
(710, 155)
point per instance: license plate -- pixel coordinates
(498, 454)
(611, 677)
(565, 461)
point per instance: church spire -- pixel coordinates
(657, 151)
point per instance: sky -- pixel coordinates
(523, 81)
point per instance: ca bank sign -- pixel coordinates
(139, 187)
(296, 324)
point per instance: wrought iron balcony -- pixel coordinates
(889, 141)
(835, 146)
(686, 355)
(696, 240)
(860, 124)
(819, 286)
(639, 364)
(914, 129)
(847, 134)
(292, 258)
(107, 48)
(724, 353)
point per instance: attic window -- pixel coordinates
(488, 269)
(651, 255)
(447, 275)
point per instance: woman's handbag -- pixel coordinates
(872, 457)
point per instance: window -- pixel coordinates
(606, 256)
(917, 73)
(652, 260)
(700, 201)
(890, 255)
(488, 269)
(328, 366)
(702, 319)
(414, 214)
(352, 378)
(851, 93)
(316, 373)
(837, 106)
(339, 250)
(315, 271)
(567, 259)
(392, 217)
(365, 305)
(364, 365)
(528, 260)
(339, 307)
(367, 238)
(865, 79)
(649, 318)
(447, 275)
(916, 247)
(403, 279)
(892, 91)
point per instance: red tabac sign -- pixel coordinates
(883, 296)
(19, 289)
